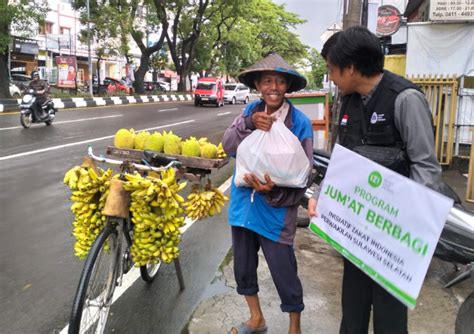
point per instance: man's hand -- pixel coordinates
(312, 208)
(262, 120)
(255, 183)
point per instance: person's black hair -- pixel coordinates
(359, 47)
(328, 45)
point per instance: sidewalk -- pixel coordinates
(320, 271)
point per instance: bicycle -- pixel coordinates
(109, 257)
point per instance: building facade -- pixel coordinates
(59, 36)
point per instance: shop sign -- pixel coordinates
(452, 10)
(67, 67)
(25, 47)
(388, 20)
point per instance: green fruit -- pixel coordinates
(154, 142)
(209, 151)
(124, 138)
(191, 148)
(172, 148)
(140, 140)
(171, 143)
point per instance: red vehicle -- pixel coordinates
(116, 85)
(209, 91)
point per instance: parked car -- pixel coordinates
(15, 92)
(117, 85)
(209, 91)
(160, 86)
(234, 92)
(21, 80)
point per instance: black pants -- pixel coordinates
(359, 294)
(281, 261)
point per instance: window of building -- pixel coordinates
(46, 28)
(65, 31)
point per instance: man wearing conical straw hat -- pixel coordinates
(263, 215)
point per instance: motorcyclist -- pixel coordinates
(41, 88)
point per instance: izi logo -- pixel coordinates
(375, 179)
(377, 118)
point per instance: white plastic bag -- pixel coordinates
(278, 153)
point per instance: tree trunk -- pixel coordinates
(4, 77)
(140, 73)
(183, 77)
(98, 77)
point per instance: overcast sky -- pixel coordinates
(319, 14)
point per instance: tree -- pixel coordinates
(23, 18)
(103, 30)
(158, 61)
(135, 18)
(154, 19)
(184, 32)
(245, 31)
(318, 69)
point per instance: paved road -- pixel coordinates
(39, 272)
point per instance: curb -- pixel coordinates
(80, 102)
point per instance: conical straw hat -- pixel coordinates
(273, 62)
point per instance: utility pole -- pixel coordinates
(365, 13)
(351, 13)
(89, 47)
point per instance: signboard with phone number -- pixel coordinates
(452, 10)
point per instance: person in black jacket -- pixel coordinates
(379, 108)
(41, 88)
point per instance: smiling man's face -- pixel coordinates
(272, 86)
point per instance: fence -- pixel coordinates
(441, 93)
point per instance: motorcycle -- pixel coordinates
(32, 112)
(455, 245)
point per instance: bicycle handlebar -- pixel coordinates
(138, 166)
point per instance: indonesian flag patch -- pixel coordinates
(344, 119)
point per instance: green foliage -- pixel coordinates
(22, 17)
(219, 35)
(242, 32)
(318, 69)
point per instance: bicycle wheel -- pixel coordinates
(149, 272)
(97, 284)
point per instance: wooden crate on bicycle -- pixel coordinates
(188, 162)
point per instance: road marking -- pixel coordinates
(161, 110)
(224, 113)
(71, 121)
(47, 149)
(129, 278)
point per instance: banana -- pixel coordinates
(202, 203)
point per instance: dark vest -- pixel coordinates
(378, 115)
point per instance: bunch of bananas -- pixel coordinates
(90, 187)
(156, 215)
(220, 151)
(203, 202)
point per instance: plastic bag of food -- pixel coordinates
(278, 153)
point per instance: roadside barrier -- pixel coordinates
(78, 102)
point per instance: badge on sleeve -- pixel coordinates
(344, 120)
